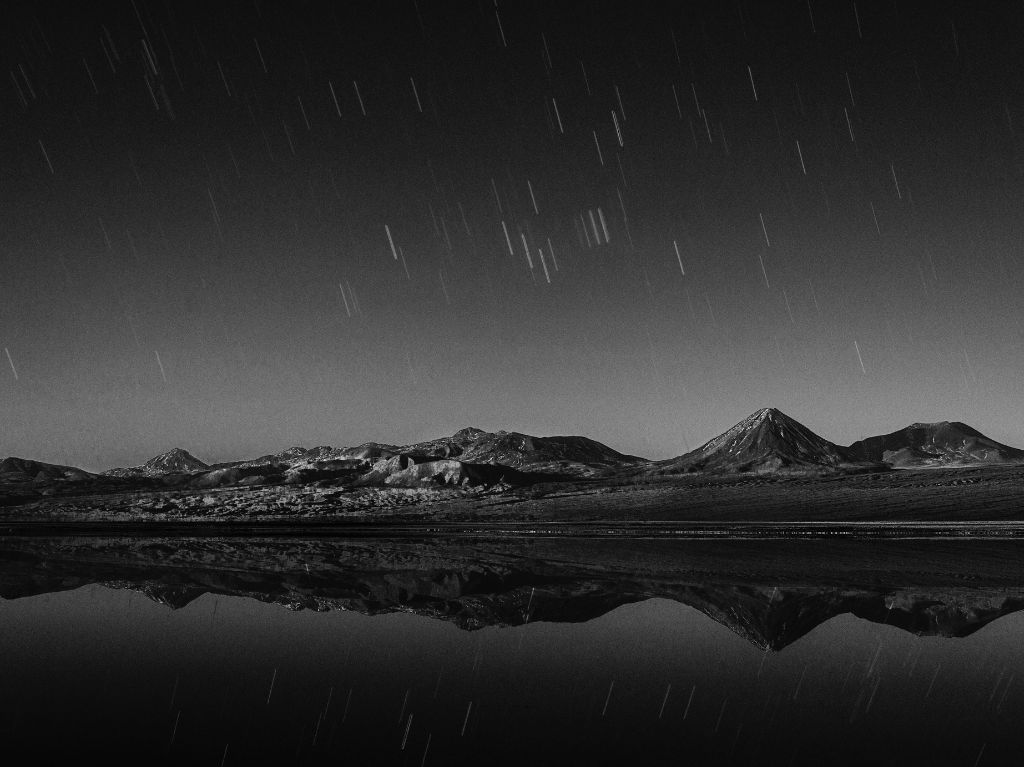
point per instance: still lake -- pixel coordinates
(511, 651)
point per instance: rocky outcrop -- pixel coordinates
(448, 472)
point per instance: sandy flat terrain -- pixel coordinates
(934, 495)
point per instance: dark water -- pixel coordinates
(519, 652)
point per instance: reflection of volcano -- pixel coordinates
(778, 618)
(770, 593)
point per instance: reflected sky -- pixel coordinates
(109, 672)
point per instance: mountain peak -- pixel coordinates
(769, 414)
(468, 434)
(765, 441)
(176, 460)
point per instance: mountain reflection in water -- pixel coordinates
(511, 650)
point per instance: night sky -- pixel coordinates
(235, 227)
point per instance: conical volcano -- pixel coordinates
(175, 461)
(764, 442)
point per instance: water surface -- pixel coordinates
(310, 651)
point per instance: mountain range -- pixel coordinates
(766, 442)
(572, 455)
(470, 456)
(769, 441)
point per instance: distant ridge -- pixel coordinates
(764, 442)
(574, 455)
(560, 454)
(943, 443)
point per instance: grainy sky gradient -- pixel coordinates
(183, 191)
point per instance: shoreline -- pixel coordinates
(678, 530)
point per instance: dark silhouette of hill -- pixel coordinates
(943, 443)
(14, 469)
